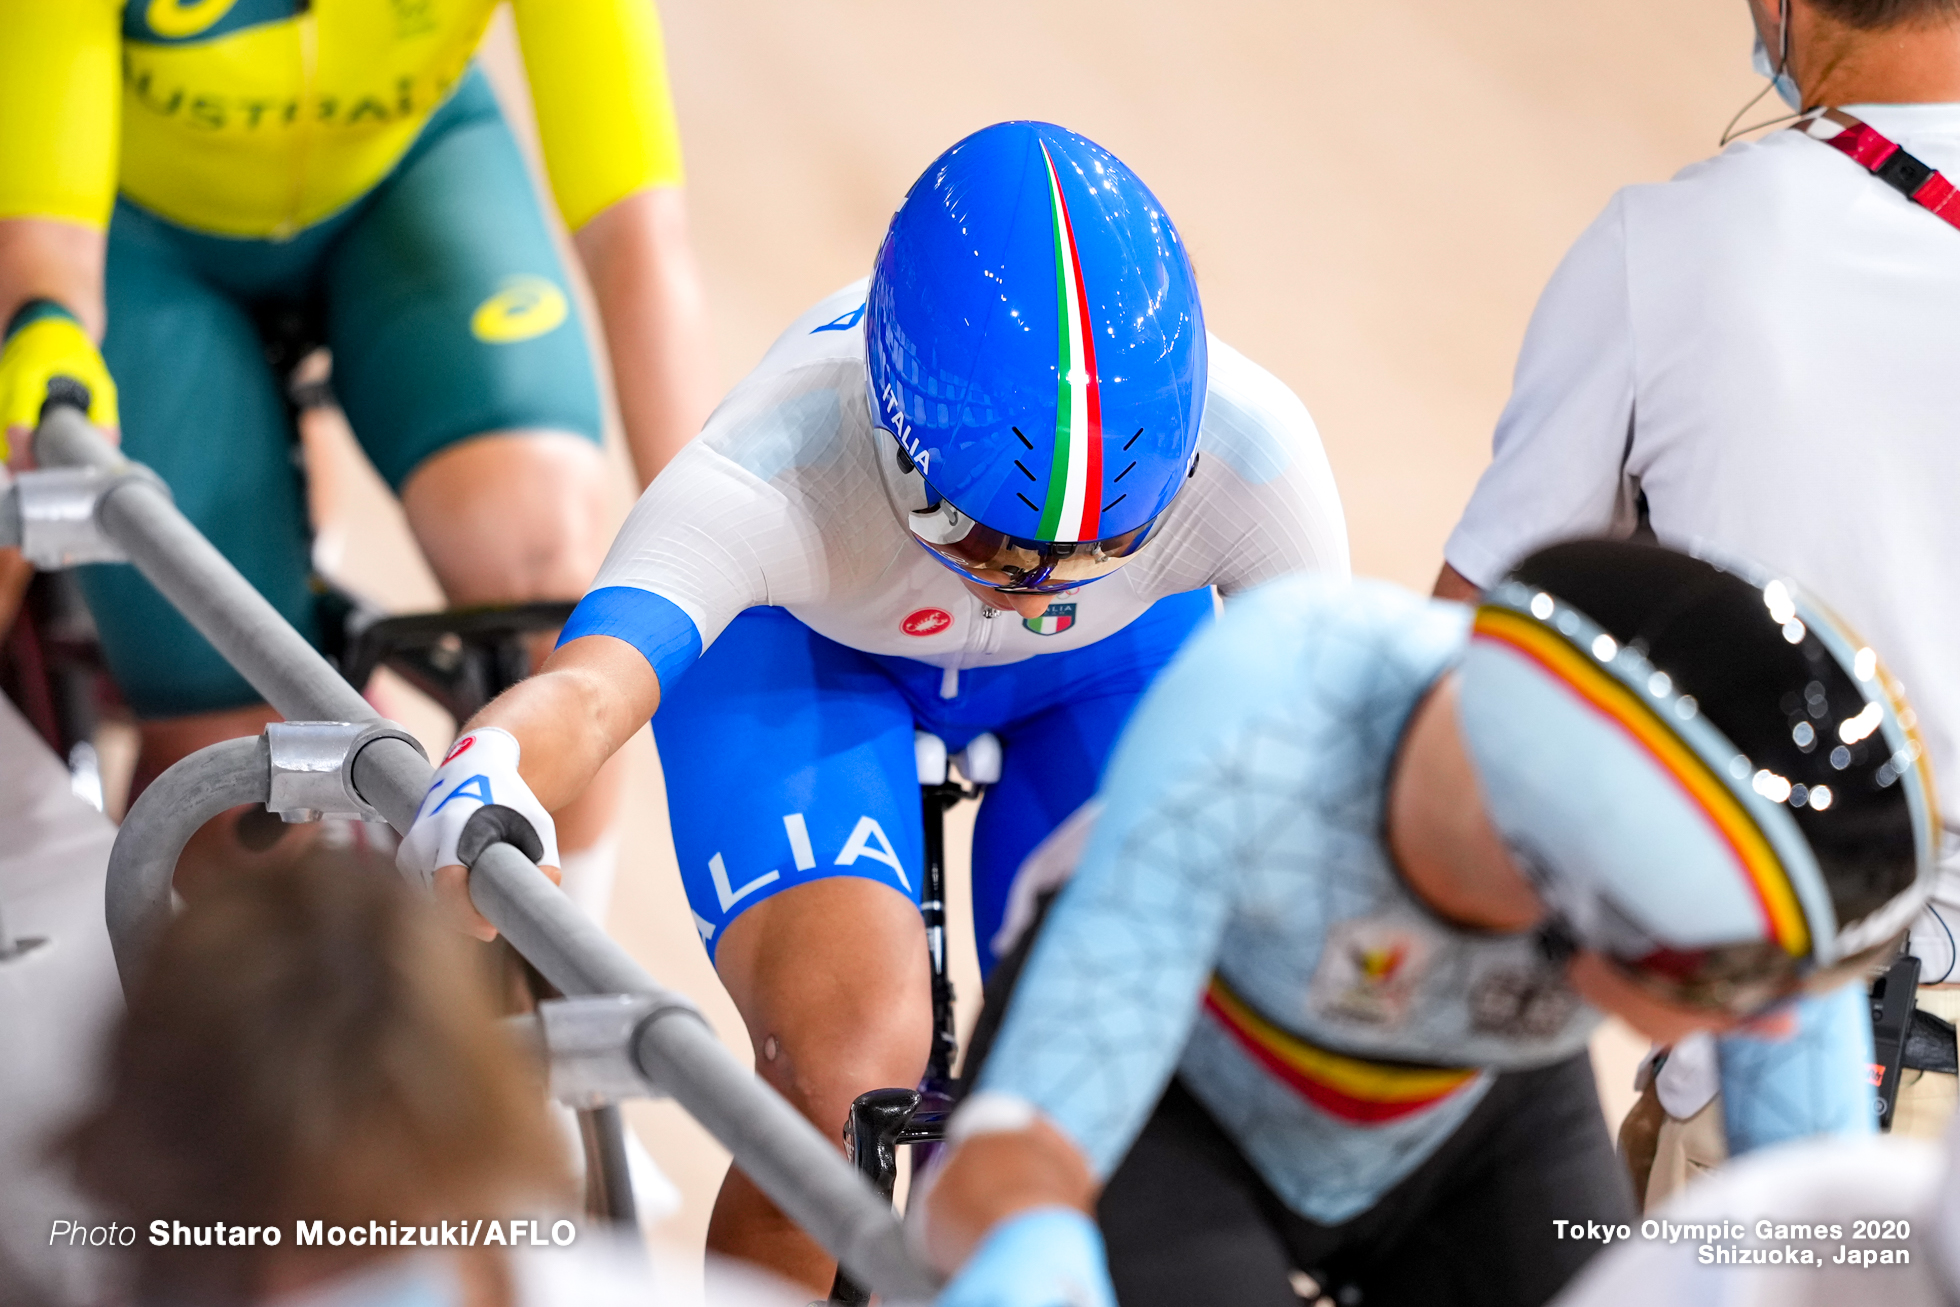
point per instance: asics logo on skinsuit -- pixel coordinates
(522, 308)
(180, 18)
(842, 322)
(927, 621)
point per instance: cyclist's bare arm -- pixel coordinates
(641, 267)
(44, 258)
(1452, 584)
(991, 1177)
(591, 697)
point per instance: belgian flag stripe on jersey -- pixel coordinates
(1351, 1088)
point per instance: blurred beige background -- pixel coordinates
(1374, 192)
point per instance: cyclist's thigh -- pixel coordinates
(200, 407)
(448, 309)
(788, 759)
(1186, 1219)
(1534, 1151)
(1053, 758)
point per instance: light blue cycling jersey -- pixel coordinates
(1237, 919)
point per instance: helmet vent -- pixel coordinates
(1114, 502)
(1125, 472)
(1029, 502)
(1024, 439)
(1024, 470)
(1131, 441)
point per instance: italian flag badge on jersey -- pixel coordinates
(1057, 619)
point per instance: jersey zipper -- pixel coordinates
(988, 628)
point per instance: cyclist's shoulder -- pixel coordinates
(37, 29)
(831, 329)
(1253, 421)
(803, 404)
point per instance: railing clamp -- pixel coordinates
(593, 1043)
(58, 513)
(311, 767)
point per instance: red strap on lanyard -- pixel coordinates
(1912, 177)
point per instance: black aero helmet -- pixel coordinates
(1711, 779)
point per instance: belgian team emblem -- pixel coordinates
(1369, 969)
(1057, 619)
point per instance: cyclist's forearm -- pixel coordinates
(42, 258)
(654, 309)
(15, 573)
(1452, 584)
(992, 1177)
(589, 699)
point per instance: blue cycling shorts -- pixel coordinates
(789, 757)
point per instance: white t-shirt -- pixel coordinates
(59, 1001)
(596, 1270)
(1891, 1183)
(1767, 348)
(780, 502)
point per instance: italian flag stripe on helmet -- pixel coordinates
(1070, 510)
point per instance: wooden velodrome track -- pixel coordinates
(1375, 191)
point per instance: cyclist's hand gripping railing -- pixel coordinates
(384, 773)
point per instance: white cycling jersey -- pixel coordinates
(780, 502)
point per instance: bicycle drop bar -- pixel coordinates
(784, 1154)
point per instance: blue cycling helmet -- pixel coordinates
(1035, 349)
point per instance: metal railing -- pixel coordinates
(90, 504)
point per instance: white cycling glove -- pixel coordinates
(476, 800)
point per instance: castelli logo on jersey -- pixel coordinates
(459, 748)
(927, 621)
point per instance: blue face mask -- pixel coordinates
(1786, 86)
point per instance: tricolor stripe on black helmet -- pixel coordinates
(1588, 678)
(1624, 796)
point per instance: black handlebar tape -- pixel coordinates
(65, 391)
(493, 823)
